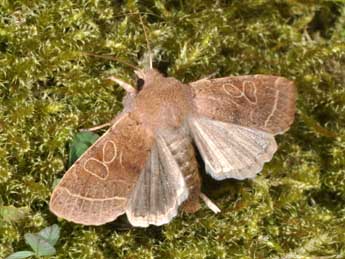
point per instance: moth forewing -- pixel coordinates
(263, 102)
(95, 190)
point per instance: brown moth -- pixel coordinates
(145, 166)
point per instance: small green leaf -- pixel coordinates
(51, 234)
(87, 137)
(80, 143)
(80, 148)
(40, 245)
(20, 255)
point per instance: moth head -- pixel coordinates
(147, 77)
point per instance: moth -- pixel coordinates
(145, 164)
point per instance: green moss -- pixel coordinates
(49, 90)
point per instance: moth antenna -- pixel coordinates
(110, 57)
(147, 41)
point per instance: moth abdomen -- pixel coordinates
(180, 144)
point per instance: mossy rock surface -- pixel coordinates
(49, 90)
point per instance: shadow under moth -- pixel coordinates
(145, 166)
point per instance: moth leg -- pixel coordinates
(104, 125)
(127, 87)
(209, 203)
(203, 79)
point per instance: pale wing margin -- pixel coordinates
(160, 190)
(230, 150)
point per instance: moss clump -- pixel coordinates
(49, 89)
